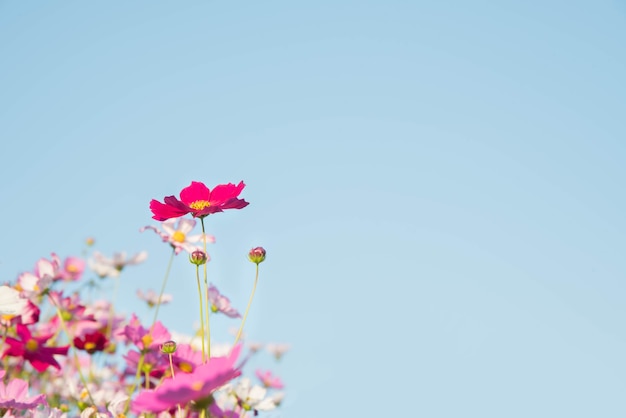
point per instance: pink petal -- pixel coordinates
(224, 192)
(195, 191)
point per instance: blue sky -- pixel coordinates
(439, 185)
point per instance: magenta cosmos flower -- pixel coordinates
(199, 201)
(187, 387)
(32, 349)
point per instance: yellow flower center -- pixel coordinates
(146, 340)
(200, 204)
(178, 236)
(186, 367)
(196, 386)
(89, 345)
(7, 317)
(72, 268)
(32, 345)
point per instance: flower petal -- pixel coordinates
(195, 191)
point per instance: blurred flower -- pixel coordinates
(186, 358)
(45, 272)
(32, 349)
(277, 350)
(199, 201)
(220, 303)
(27, 316)
(75, 315)
(73, 268)
(154, 363)
(254, 346)
(152, 298)
(15, 395)
(177, 236)
(269, 380)
(196, 386)
(111, 267)
(10, 301)
(96, 341)
(168, 347)
(145, 338)
(253, 397)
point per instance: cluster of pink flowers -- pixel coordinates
(82, 358)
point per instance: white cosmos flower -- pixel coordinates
(253, 397)
(10, 301)
(111, 267)
(176, 233)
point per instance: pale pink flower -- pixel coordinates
(176, 233)
(45, 268)
(152, 298)
(254, 346)
(269, 380)
(73, 268)
(15, 395)
(111, 267)
(45, 272)
(220, 303)
(277, 350)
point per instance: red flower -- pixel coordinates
(91, 343)
(198, 200)
(31, 348)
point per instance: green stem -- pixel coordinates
(201, 316)
(245, 315)
(206, 291)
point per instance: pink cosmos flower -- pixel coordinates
(185, 388)
(186, 359)
(74, 313)
(15, 395)
(269, 380)
(73, 268)
(220, 303)
(32, 349)
(154, 363)
(177, 235)
(45, 272)
(199, 201)
(142, 337)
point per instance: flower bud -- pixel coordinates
(198, 257)
(168, 347)
(257, 255)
